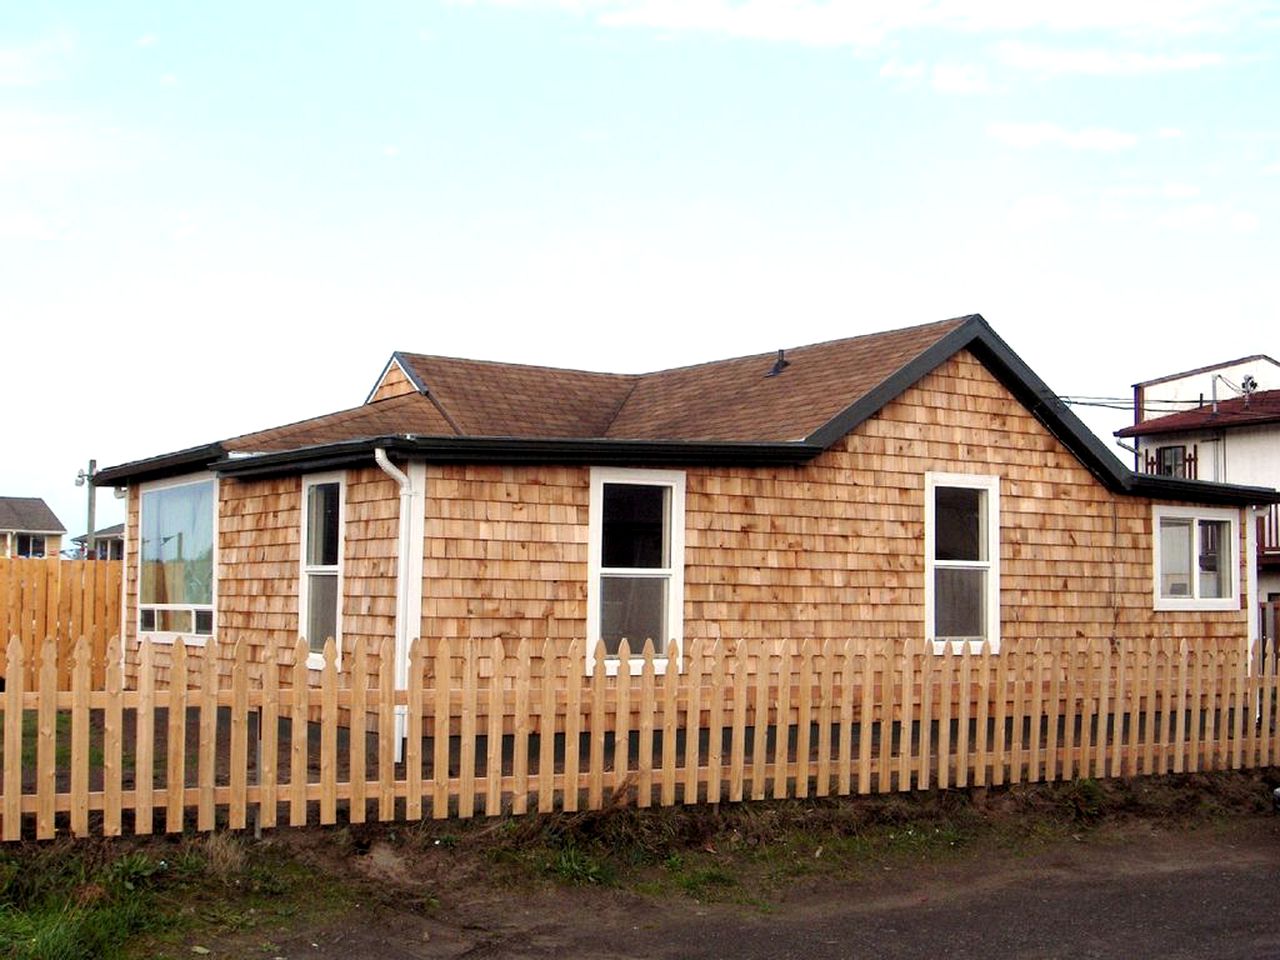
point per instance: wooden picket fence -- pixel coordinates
(61, 598)
(489, 730)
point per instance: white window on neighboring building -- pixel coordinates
(176, 557)
(1195, 561)
(636, 562)
(320, 583)
(962, 559)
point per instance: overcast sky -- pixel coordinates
(220, 218)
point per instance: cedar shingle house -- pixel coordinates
(28, 528)
(922, 482)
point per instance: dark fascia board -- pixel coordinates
(1200, 491)
(522, 451)
(976, 335)
(155, 468)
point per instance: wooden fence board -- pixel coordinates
(919, 719)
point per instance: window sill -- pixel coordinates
(1178, 603)
(189, 639)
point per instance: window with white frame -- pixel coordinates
(176, 561)
(636, 560)
(320, 591)
(962, 558)
(31, 545)
(1195, 562)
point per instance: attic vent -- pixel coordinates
(778, 365)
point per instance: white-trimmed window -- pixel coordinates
(31, 545)
(962, 559)
(320, 580)
(636, 562)
(1196, 566)
(176, 556)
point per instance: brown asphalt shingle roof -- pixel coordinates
(28, 515)
(411, 413)
(725, 400)
(1262, 407)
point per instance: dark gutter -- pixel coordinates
(512, 450)
(154, 468)
(1200, 491)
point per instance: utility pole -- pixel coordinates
(85, 479)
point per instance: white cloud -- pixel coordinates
(147, 40)
(34, 63)
(1169, 133)
(1025, 136)
(960, 78)
(1100, 62)
(868, 22)
(391, 150)
(1272, 170)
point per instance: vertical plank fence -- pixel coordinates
(66, 599)
(490, 729)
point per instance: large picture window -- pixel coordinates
(962, 558)
(1195, 558)
(176, 588)
(321, 576)
(636, 588)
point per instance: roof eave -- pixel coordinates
(512, 450)
(156, 468)
(1200, 491)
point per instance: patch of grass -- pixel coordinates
(65, 902)
(705, 883)
(572, 865)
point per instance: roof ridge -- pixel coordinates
(954, 321)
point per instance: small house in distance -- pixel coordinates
(108, 543)
(916, 483)
(28, 528)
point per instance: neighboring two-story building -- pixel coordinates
(1221, 423)
(28, 528)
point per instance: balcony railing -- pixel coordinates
(1269, 534)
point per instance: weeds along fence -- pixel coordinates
(62, 598)
(488, 732)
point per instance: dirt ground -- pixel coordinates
(1129, 888)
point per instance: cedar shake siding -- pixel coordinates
(831, 549)
(804, 499)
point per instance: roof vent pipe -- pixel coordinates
(779, 365)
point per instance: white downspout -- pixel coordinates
(408, 573)
(1251, 577)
